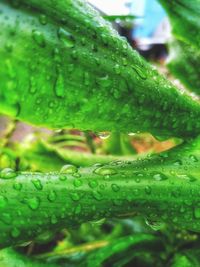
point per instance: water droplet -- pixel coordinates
(178, 163)
(159, 176)
(33, 203)
(98, 222)
(78, 182)
(75, 196)
(15, 232)
(38, 37)
(93, 184)
(60, 86)
(117, 202)
(17, 186)
(52, 196)
(97, 195)
(115, 187)
(69, 169)
(193, 158)
(33, 85)
(43, 19)
(104, 81)
(132, 134)
(54, 219)
(148, 190)
(155, 225)
(105, 171)
(197, 212)
(67, 39)
(78, 209)
(9, 47)
(6, 218)
(62, 178)
(104, 135)
(86, 79)
(7, 173)
(140, 72)
(3, 201)
(117, 69)
(37, 183)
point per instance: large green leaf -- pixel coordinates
(164, 188)
(184, 63)
(64, 66)
(184, 16)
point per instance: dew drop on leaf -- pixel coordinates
(69, 169)
(3, 201)
(159, 176)
(115, 187)
(43, 19)
(93, 184)
(37, 183)
(38, 37)
(17, 186)
(59, 86)
(52, 196)
(67, 39)
(197, 212)
(7, 173)
(33, 203)
(75, 196)
(78, 182)
(78, 209)
(105, 171)
(54, 219)
(104, 135)
(15, 232)
(97, 195)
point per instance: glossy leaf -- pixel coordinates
(164, 188)
(184, 63)
(66, 67)
(184, 16)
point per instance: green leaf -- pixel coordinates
(163, 188)
(184, 63)
(135, 243)
(184, 16)
(182, 260)
(10, 258)
(64, 66)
